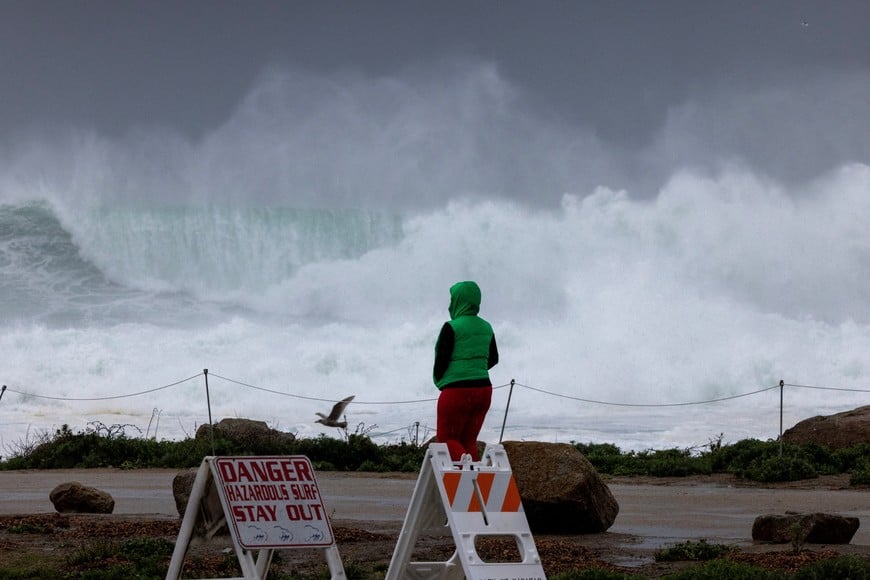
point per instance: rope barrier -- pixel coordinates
(355, 401)
(431, 399)
(137, 394)
(646, 404)
(511, 384)
(829, 388)
(403, 428)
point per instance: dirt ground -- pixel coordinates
(367, 511)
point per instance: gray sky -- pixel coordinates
(782, 84)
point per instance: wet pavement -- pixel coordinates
(658, 514)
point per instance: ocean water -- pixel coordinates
(612, 312)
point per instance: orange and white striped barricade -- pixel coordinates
(474, 499)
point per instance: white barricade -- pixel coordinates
(474, 499)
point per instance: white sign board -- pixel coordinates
(272, 502)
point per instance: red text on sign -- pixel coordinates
(270, 471)
(255, 513)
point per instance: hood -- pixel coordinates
(464, 299)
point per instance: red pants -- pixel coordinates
(461, 412)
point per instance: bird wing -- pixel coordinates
(339, 407)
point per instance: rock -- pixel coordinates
(210, 519)
(815, 528)
(182, 484)
(77, 498)
(255, 434)
(561, 490)
(834, 431)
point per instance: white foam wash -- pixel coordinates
(113, 281)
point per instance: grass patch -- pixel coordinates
(690, 551)
(29, 528)
(725, 569)
(843, 568)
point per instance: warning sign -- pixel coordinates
(272, 502)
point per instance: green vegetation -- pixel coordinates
(101, 446)
(721, 569)
(861, 474)
(693, 552)
(108, 560)
(843, 568)
(28, 528)
(750, 458)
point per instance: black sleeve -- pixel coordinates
(443, 351)
(493, 353)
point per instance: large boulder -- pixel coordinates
(835, 431)
(254, 434)
(815, 528)
(73, 497)
(561, 491)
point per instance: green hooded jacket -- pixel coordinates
(473, 350)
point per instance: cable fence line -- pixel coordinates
(613, 404)
(319, 399)
(107, 398)
(828, 388)
(430, 399)
(205, 374)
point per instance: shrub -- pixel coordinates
(605, 457)
(101, 446)
(780, 469)
(733, 458)
(661, 463)
(823, 460)
(693, 552)
(111, 447)
(674, 463)
(861, 474)
(28, 528)
(852, 458)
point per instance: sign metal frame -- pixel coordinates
(267, 503)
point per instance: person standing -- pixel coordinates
(464, 352)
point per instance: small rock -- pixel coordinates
(77, 498)
(815, 528)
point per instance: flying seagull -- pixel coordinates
(337, 410)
